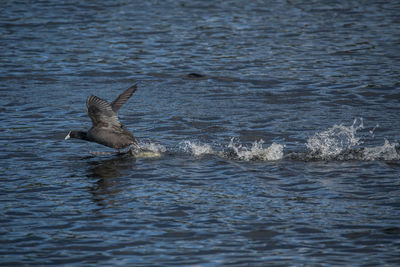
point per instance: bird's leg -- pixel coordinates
(137, 146)
(134, 148)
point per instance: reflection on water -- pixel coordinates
(106, 173)
(110, 168)
(250, 106)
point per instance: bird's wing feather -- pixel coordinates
(122, 98)
(101, 113)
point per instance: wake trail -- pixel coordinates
(339, 142)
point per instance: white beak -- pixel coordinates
(67, 137)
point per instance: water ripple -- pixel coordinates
(250, 107)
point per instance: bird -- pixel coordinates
(106, 128)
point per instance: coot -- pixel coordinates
(107, 129)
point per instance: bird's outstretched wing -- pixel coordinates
(122, 98)
(101, 113)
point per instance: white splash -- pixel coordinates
(339, 142)
(334, 141)
(257, 151)
(372, 132)
(387, 151)
(157, 148)
(236, 150)
(197, 149)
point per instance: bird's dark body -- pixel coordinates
(118, 139)
(107, 129)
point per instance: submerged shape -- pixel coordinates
(107, 129)
(148, 150)
(144, 153)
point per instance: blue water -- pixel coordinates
(277, 124)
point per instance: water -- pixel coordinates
(277, 121)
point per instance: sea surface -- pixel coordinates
(277, 125)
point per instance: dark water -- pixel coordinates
(284, 151)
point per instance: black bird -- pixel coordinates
(107, 129)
